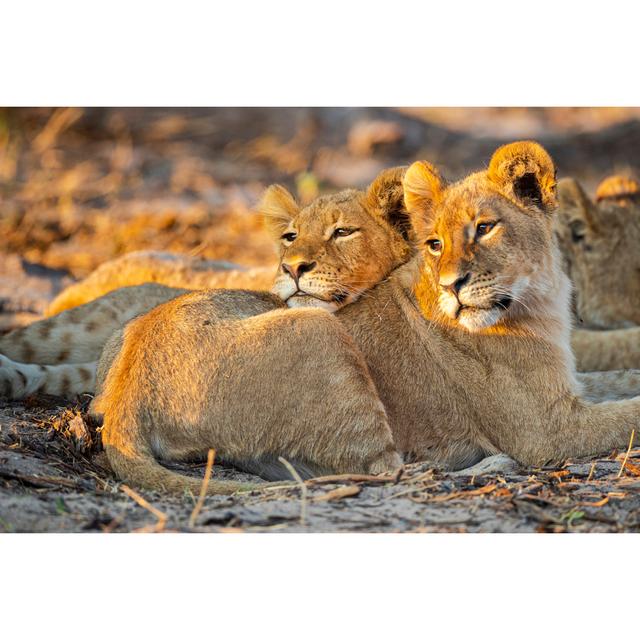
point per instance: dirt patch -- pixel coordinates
(52, 478)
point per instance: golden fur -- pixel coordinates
(461, 353)
(169, 269)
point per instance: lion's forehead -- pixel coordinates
(318, 218)
(462, 205)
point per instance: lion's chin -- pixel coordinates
(304, 301)
(474, 319)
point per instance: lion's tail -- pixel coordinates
(132, 460)
(140, 469)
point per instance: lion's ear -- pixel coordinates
(575, 210)
(525, 172)
(618, 188)
(423, 188)
(571, 196)
(277, 207)
(385, 198)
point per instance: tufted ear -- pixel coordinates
(423, 189)
(525, 172)
(385, 198)
(618, 188)
(277, 207)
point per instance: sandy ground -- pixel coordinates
(51, 479)
(79, 187)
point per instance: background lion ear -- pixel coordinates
(423, 189)
(575, 210)
(572, 196)
(385, 198)
(525, 172)
(277, 207)
(618, 188)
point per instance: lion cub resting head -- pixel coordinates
(330, 252)
(487, 240)
(600, 243)
(340, 245)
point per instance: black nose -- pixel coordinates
(455, 287)
(297, 269)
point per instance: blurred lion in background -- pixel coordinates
(600, 243)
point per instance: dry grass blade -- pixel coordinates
(459, 494)
(211, 455)
(599, 503)
(632, 468)
(303, 488)
(338, 494)
(352, 477)
(162, 517)
(60, 120)
(626, 456)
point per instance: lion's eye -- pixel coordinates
(577, 231)
(434, 245)
(289, 237)
(484, 228)
(342, 232)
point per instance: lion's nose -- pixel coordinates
(297, 269)
(455, 286)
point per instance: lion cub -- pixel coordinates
(461, 353)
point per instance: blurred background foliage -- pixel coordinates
(81, 186)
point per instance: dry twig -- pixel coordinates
(203, 489)
(458, 494)
(354, 477)
(303, 488)
(626, 456)
(161, 516)
(338, 494)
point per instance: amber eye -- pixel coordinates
(289, 237)
(434, 245)
(484, 228)
(342, 232)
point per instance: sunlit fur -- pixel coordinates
(236, 390)
(161, 267)
(509, 273)
(340, 268)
